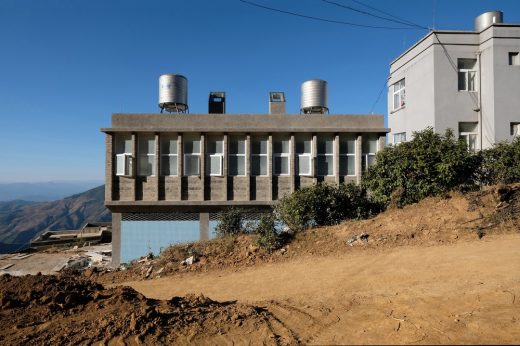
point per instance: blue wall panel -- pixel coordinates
(141, 237)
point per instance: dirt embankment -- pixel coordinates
(50, 310)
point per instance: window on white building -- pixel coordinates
(281, 155)
(469, 133)
(237, 155)
(467, 74)
(325, 155)
(168, 155)
(191, 147)
(515, 129)
(368, 151)
(514, 59)
(146, 154)
(399, 95)
(347, 154)
(399, 137)
(303, 154)
(123, 153)
(259, 155)
(214, 155)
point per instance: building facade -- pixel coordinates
(464, 80)
(169, 175)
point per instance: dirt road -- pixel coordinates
(466, 292)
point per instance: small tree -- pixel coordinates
(430, 164)
(230, 222)
(500, 164)
(267, 236)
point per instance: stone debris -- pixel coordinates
(363, 237)
(189, 261)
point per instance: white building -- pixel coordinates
(468, 81)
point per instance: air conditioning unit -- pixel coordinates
(124, 165)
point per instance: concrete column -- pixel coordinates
(225, 168)
(157, 165)
(359, 146)
(204, 226)
(248, 166)
(109, 167)
(116, 239)
(292, 162)
(203, 165)
(270, 165)
(381, 143)
(133, 191)
(180, 163)
(336, 158)
(314, 165)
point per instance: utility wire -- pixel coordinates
(390, 15)
(378, 97)
(322, 19)
(371, 14)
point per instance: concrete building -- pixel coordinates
(464, 80)
(168, 175)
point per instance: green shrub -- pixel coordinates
(230, 222)
(267, 236)
(500, 164)
(428, 165)
(323, 204)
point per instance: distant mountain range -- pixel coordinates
(43, 191)
(21, 221)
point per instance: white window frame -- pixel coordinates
(238, 155)
(400, 92)
(282, 155)
(466, 72)
(365, 156)
(140, 155)
(259, 156)
(309, 155)
(219, 155)
(325, 155)
(126, 164)
(399, 137)
(170, 155)
(515, 129)
(186, 156)
(309, 166)
(347, 155)
(465, 135)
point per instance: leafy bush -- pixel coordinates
(267, 236)
(230, 222)
(428, 165)
(500, 164)
(323, 204)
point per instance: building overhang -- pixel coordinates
(246, 123)
(182, 206)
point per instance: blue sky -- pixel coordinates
(66, 66)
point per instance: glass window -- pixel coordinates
(259, 156)
(281, 155)
(303, 148)
(368, 151)
(347, 154)
(168, 155)
(191, 155)
(123, 153)
(146, 154)
(325, 155)
(214, 155)
(467, 74)
(399, 95)
(237, 155)
(399, 137)
(468, 132)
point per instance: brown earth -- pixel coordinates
(444, 271)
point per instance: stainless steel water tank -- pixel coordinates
(487, 19)
(173, 93)
(314, 97)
